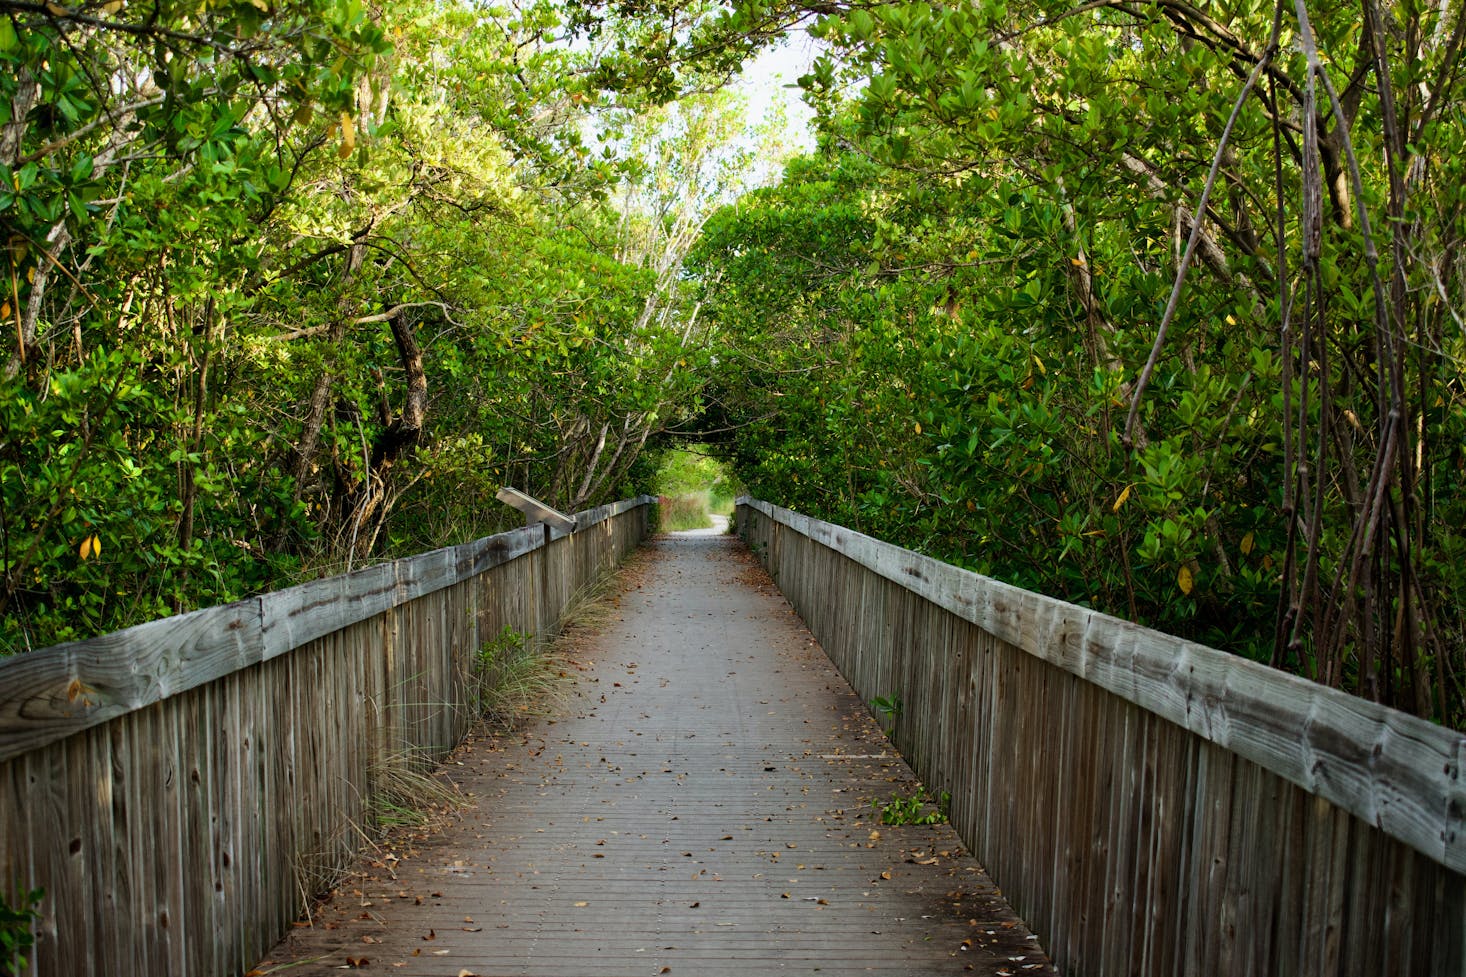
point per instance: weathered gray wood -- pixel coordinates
(174, 786)
(711, 818)
(1392, 770)
(52, 693)
(291, 618)
(1150, 806)
(49, 694)
(536, 511)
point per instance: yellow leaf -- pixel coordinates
(5, 310)
(1247, 544)
(1231, 320)
(1077, 262)
(96, 546)
(348, 136)
(1124, 495)
(86, 548)
(1040, 364)
(1183, 580)
(918, 427)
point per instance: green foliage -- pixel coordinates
(297, 288)
(293, 290)
(514, 676)
(918, 808)
(701, 479)
(888, 707)
(679, 513)
(16, 937)
(936, 328)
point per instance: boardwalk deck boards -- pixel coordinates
(1150, 806)
(703, 804)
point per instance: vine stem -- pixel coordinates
(1195, 237)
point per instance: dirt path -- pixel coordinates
(701, 807)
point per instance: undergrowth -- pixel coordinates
(16, 937)
(520, 676)
(683, 512)
(919, 808)
(405, 792)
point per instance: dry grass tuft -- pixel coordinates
(524, 676)
(679, 513)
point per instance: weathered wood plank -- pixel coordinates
(534, 510)
(1183, 811)
(732, 726)
(1390, 769)
(52, 693)
(426, 573)
(168, 784)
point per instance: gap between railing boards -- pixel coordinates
(1141, 798)
(181, 772)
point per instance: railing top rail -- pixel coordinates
(49, 694)
(1400, 773)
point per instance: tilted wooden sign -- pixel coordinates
(536, 511)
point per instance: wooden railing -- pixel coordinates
(1148, 805)
(179, 787)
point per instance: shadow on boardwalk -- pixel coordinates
(703, 806)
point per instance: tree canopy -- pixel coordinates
(290, 287)
(1150, 306)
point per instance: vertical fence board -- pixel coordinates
(179, 788)
(1150, 807)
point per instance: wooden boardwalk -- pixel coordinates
(702, 806)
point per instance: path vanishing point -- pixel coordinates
(702, 805)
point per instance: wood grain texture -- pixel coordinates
(534, 510)
(51, 693)
(1149, 806)
(177, 788)
(702, 805)
(1392, 770)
